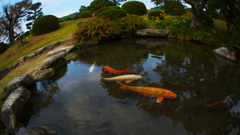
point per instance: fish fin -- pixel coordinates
(127, 70)
(125, 87)
(159, 99)
(102, 79)
(128, 81)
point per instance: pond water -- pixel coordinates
(75, 101)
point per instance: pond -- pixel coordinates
(75, 101)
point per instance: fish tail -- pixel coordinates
(127, 70)
(125, 87)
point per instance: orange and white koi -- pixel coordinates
(151, 91)
(126, 78)
(111, 70)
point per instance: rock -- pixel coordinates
(71, 56)
(40, 51)
(4, 72)
(54, 61)
(63, 41)
(43, 74)
(49, 47)
(56, 51)
(70, 49)
(14, 65)
(61, 54)
(37, 131)
(22, 59)
(25, 81)
(57, 44)
(152, 32)
(224, 53)
(13, 108)
(31, 56)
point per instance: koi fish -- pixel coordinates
(92, 67)
(226, 103)
(126, 78)
(185, 87)
(111, 70)
(151, 91)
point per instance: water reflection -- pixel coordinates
(77, 102)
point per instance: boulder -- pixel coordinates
(14, 65)
(43, 74)
(57, 44)
(37, 131)
(31, 56)
(49, 47)
(224, 53)
(152, 32)
(63, 49)
(63, 41)
(54, 61)
(41, 50)
(4, 72)
(22, 59)
(13, 108)
(25, 81)
(61, 54)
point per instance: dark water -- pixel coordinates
(75, 101)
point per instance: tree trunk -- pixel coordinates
(11, 37)
(194, 22)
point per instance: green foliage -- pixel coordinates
(60, 20)
(104, 4)
(115, 7)
(34, 13)
(76, 17)
(5, 89)
(68, 19)
(85, 14)
(113, 14)
(45, 24)
(97, 4)
(100, 10)
(3, 47)
(95, 31)
(175, 7)
(155, 13)
(134, 7)
(130, 23)
(207, 20)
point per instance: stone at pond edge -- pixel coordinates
(49, 47)
(4, 72)
(40, 50)
(25, 81)
(71, 56)
(22, 59)
(152, 32)
(14, 65)
(63, 49)
(31, 56)
(13, 107)
(37, 131)
(52, 62)
(43, 74)
(224, 53)
(57, 44)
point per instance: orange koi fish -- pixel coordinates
(226, 103)
(111, 70)
(151, 91)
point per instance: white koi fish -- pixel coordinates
(126, 78)
(92, 67)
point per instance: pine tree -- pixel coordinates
(33, 14)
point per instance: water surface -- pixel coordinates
(75, 101)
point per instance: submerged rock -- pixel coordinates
(224, 56)
(152, 32)
(25, 81)
(37, 131)
(4, 72)
(43, 74)
(13, 107)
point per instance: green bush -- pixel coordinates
(207, 20)
(45, 24)
(85, 14)
(101, 9)
(60, 20)
(3, 47)
(95, 31)
(130, 23)
(76, 17)
(68, 19)
(105, 4)
(115, 7)
(152, 15)
(134, 7)
(175, 7)
(113, 14)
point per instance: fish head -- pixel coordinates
(139, 77)
(170, 94)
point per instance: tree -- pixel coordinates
(11, 17)
(81, 9)
(33, 14)
(117, 2)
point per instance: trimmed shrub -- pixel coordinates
(105, 4)
(113, 14)
(207, 20)
(130, 23)
(134, 7)
(101, 9)
(174, 7)
(152, 15)
(68, 19)
(85, 14)
(76, 17)
(45, 24)
(95, 31)
(115, 7)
